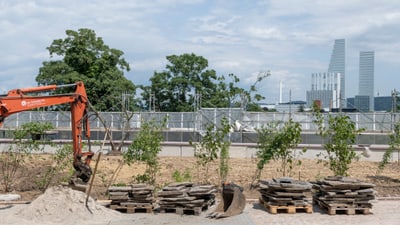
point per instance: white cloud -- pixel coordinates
(266, 33)
(291, 38)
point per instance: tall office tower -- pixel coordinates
(338, 65)
(366, 78)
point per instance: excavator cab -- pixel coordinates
(233, 201)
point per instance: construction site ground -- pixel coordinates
(385, 212)
(385, 208)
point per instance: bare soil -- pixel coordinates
(241, 172)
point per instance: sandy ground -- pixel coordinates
(61, 205)
(241, 172)
(58, 205)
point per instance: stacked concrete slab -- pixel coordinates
(186, 198)
(132, 198)
(286, 194)
(344, 194)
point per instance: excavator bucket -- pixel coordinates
(76, 184)
(78, 187)
(233, 202)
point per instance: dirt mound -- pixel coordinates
(64, 205)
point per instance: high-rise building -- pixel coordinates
(338, 65)
(366, 76)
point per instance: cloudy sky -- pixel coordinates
(291, 38)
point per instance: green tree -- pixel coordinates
(62, 161)
(340, 133)
(145, 148)
(83, 56)
(213, 144)
(175, 89)
(34, 130)
(249, 98)
(187, 83)
(13, 158)
(277, 142)
(230, 95)
(224, 150)
(394, 145)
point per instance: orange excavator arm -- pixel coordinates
(19, 100)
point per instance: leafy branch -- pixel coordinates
(394, 144)
(341, 134)
(278, 143)
(212, 144)
(145, 148)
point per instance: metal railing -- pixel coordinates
(197, 121)
(190, 126)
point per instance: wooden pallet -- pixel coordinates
(182, 211)
(290, 209)
(130, 207)
(334, 209)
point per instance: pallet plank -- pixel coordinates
(290, 209)
(182, 211)
(128, 207)
(334, 209)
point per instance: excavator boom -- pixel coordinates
(24, 99)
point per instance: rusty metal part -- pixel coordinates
(232, 204)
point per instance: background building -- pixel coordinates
(366, 77)
(361, 103)
(350, 103)
(290, 107)
(383, 103)
(338, 65)
(325, 87)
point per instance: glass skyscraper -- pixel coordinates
(366, 76)
(338, 65)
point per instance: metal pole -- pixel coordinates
(95, 168)
(290, 103)
(91, 182)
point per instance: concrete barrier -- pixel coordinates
(242, 150)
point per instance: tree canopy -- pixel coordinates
(188, 84)
(82, 56)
